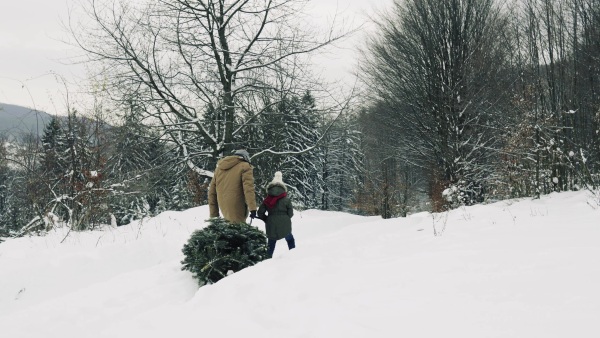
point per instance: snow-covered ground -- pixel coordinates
(526, 268)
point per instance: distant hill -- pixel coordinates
(18, 120)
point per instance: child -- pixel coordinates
(279, 212)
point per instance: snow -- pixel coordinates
(525, 268)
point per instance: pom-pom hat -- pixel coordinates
(278, 178)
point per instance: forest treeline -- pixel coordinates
(461, 102)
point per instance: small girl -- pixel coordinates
(279, 212)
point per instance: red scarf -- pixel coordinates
(270, 201)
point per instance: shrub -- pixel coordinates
(212, 252)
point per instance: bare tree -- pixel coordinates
(553, 145)
(436, 71)
(203, 70)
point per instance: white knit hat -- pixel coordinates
(278, 178)
(277, 181)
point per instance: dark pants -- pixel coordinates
(271, 244)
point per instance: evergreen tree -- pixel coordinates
(147, 174)
(129, 167)
(280, 135)
(53, 145)
(132, 145)
(220, 248)
(65, 176)
(52, 168)
(302, 129)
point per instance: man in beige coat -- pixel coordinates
(232, 188)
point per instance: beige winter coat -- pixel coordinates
(232, 190)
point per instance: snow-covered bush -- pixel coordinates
(463, 193)
(221, 248)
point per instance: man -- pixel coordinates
(232, 188)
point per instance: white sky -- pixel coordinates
(34, 60)
(30, 51)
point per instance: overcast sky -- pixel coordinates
(33, 57)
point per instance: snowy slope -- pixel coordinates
(510, 269)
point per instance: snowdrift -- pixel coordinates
(525, 268)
